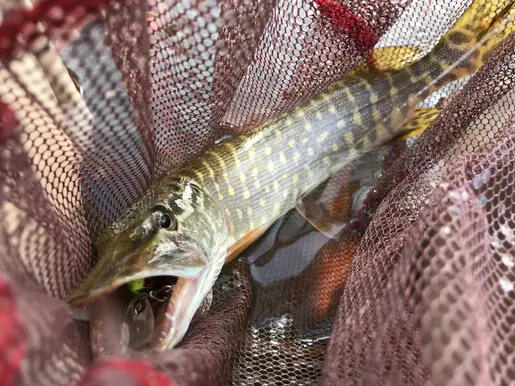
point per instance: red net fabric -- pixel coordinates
(439, 251)
(419, 291)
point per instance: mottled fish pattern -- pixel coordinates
(258, 176)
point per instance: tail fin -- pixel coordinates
(463, 49)
(482, 16)
(500, 29)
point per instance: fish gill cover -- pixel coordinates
(99, 99)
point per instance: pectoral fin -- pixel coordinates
(329, 207)
(420, 120)
(244, 242)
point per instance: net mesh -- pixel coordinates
(99, 98)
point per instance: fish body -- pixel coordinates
(191, 222)
(257, 177)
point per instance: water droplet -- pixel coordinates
(508, 260)
(363, 309)
(82, 314)
(506, 284)
(282, 322)
(125, 334)
(476, 182)
(453, 209)
(502, 208)
(445, 231)
(465, 196)
(454, 195)
(482, 200)
(109, 94)
(485, 175)
(509, 233)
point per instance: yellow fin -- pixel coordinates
(393, 58)
(420, 120)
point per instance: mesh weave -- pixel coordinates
(443, 232)
(420, 290)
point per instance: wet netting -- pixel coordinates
(99, 98)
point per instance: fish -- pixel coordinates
(197, 218)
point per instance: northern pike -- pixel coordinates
(197, 218)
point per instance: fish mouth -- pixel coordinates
(151, 314)
(115, 327)
(178, 309)
(155, 318)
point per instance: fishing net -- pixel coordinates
(98, 98)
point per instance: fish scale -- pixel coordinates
(258, 176)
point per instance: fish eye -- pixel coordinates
(195, 188)
(165, 221)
